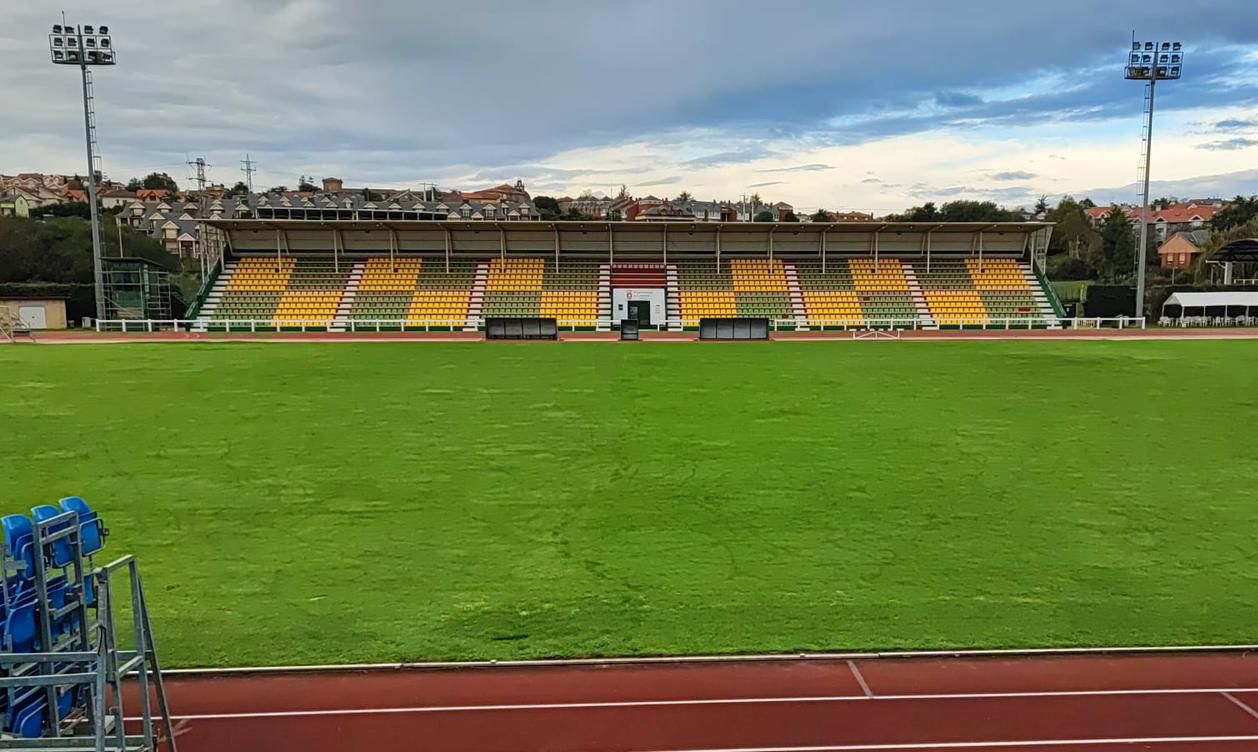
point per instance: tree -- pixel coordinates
(157, 181)
(764, 215)
(134, 184)
(623, 193)
(1074, 233)
(1237, 213)
(278, 189)
(790, 217)
(613, 215)
(37, 253)
(67, 209)
(1087, 203)
(1041, 205)
(1117, 249)
(306, 185)
(684, 197)
(548, 207)
(821, 215)
(239, 189)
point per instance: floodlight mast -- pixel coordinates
(84, 46)
(1150, 62)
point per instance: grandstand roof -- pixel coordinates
(683, 226)
(486, 237)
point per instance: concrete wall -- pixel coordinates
(53, 311)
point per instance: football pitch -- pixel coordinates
(326, 503)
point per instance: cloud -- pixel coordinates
(306, 88)
(766, 185)
(1013, 175)
(749, 154)
(801, 168)
(871, 180)
(956, 99)
(1231, 144)
(670, 180)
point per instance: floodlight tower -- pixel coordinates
(1150, 62)
(87, 46)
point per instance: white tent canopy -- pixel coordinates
(1213, 299)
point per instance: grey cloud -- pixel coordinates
(749, 154)
(815, 167)
(871, 180)
(766, 185)
(670, 180)
(956, 99)
(1231, 144)
(1235, 124)
(384, 94)
(1013, 175)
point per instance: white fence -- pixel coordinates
(136, 326)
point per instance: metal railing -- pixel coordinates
(912, 323)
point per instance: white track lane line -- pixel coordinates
(677, 703)
(1241, 704)
(856, 673)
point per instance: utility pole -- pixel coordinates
(248, 167)
(200, 164)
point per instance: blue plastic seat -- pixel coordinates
(62, 553)
(28, 716)
(93, 536)
(19, 627)
(19, 541)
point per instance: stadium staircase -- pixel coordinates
(924, 319)
(476, 301)
(797, 295)
(604, 297)
(346, 305)
(672, 299)
(215, 297)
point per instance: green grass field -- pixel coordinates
(313, 503)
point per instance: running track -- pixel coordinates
(1186, 703)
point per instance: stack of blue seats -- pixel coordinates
(23, 614)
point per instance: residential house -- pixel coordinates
(595, 207)
(781, 209)
(14, 205)
(1182, 249)
(115, 198)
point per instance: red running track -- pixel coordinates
(1186, 703)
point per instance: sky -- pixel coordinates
(825, 103)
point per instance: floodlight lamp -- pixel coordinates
(1148, 45)
(72, 42)
(58, 56)
(104, 42)
(1135, 45)
(89, 42)
(1175, 71)
(57, 42)
(1177, 46)
(72, 56)
(104, 30)
(56, 28)
(87, 29)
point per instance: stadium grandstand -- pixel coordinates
(354, 275)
